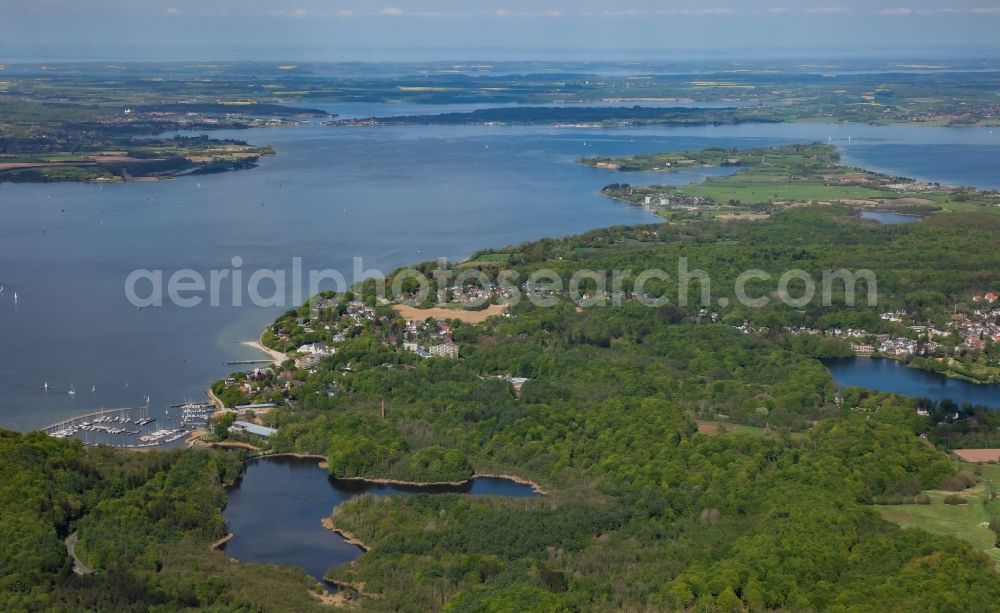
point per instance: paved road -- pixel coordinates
(78, 566)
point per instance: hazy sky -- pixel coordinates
(419, 29)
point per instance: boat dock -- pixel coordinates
(131, 428)
(79, 418)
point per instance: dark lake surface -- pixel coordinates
(891, 376)
(275, 511)
(391, 196)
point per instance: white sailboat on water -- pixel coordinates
(72, 390)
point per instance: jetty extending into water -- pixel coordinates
(133, 427)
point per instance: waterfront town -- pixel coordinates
(964, 346)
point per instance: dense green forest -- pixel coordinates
(645, 510)
(144, 521)
(647, 507)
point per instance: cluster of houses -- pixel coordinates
(429, 339)
(980, 326)
(657, 197)
(977, 329)
(251, 381)
(259, 381)
(472, 294)
(914, 187)
(327, 323)
(310, 354)
(491, 293)
(334, 321)
(864, 342)
(447, 349)
(677, 200)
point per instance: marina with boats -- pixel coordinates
(134, 427)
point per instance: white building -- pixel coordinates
(316, 349)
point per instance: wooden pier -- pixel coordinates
(72, 420)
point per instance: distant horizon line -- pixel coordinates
(385, 54)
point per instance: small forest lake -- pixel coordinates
(886, 375)
(890, 217)
(276, 508)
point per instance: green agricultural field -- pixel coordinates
(717, 428)
(751, 190)
(967, 521)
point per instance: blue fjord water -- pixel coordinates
(390, 195)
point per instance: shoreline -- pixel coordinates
(277, 357)
(291, 454)
(349, 538)
(538, 489)
(947, 374)
(220, 407)
(385, 481)
(944, 374)
(219, 543)
(323, 462)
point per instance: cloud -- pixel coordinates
(435, 14)
(708, 11)
(983, 10)
(777, 10)
(827, 10)
(895, 11)
(303, 13)
(294, 13)
(173, 11)
(548, 13)
(640, 13)
(346, 13)
(626, 13)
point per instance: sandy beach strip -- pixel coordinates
(276, 356)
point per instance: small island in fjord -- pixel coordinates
(771, 178)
